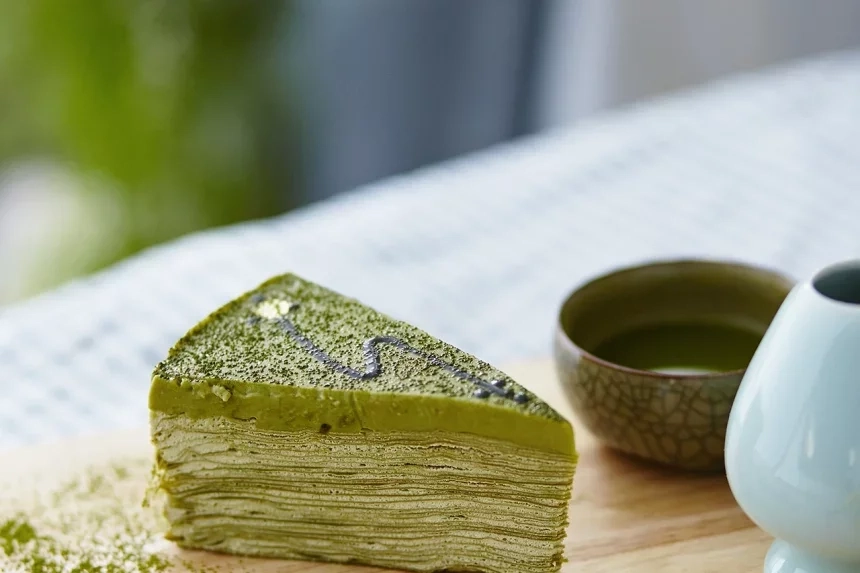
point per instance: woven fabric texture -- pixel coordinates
(479, 251)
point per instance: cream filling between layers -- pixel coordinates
(419, 500)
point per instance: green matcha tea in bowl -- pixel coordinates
(652, 356)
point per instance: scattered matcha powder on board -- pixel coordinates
(93, 524)
(15, 532)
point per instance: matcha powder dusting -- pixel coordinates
(94, 524)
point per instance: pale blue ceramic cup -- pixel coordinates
(793, 438)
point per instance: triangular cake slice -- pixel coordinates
(297, 423)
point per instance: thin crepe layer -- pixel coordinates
(424, 501)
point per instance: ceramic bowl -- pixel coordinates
(651, 357)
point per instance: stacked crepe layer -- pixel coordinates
(424, 501)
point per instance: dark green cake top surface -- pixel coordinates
(292, 332)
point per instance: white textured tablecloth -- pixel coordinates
(480, 251)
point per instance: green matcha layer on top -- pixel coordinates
(297, 423)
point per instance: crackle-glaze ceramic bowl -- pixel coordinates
(651, 357)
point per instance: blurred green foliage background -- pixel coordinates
(161, 117)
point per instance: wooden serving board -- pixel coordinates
(626, 515)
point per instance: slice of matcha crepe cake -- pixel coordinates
(297, 423)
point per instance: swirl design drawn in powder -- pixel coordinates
(277, 311)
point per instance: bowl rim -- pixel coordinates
(561, 333)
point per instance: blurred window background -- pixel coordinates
(126, 124)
